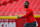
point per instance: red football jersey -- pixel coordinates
(29, 15)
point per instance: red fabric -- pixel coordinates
(0, 4)
(29, 15)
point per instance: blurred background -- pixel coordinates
(16, 7)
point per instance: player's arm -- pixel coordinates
(27, 14)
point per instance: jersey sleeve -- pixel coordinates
(28, 13)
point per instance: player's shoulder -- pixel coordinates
(29, 8)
